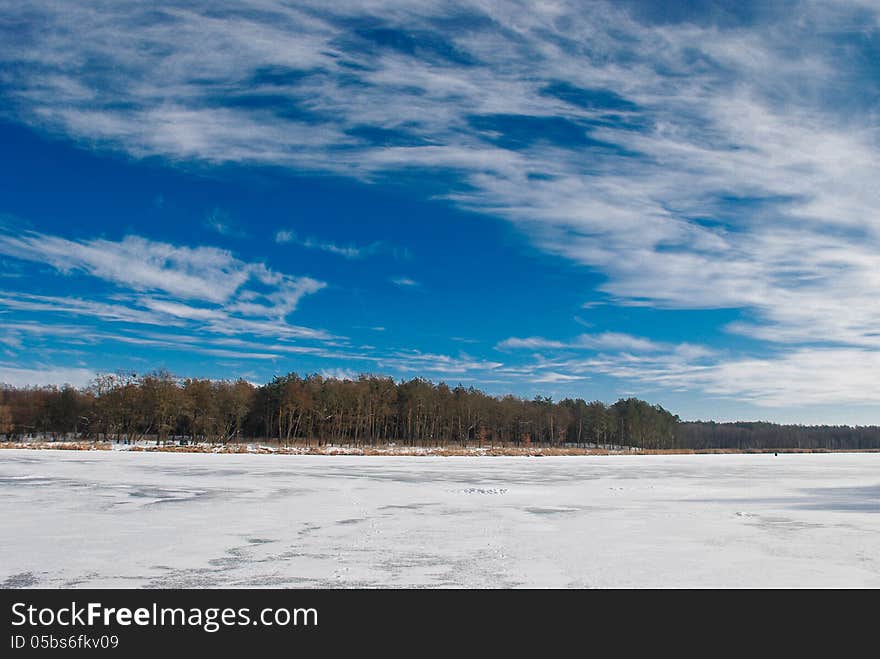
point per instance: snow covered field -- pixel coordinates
(120, 519)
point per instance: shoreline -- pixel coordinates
(395, 450)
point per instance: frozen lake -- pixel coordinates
(164, 520)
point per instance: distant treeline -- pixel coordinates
(762, 435)
(372, 410)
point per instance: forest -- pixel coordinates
(373, 410)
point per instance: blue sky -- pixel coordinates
(671, 200)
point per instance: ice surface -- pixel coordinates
(128, 519)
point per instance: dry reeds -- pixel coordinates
(395, 450)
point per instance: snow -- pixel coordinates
(130, 519)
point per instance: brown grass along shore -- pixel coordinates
(396, 450)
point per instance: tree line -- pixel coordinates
(369, 410)
(762, 435)
(372, 410)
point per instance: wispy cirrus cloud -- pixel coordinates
(204, 274)
(284, 237)
(417, 363)
(69, 305)
(221, 222)
(159, 284)
(339, 373)
(552, 377)
(784, 380)
(29, 377)
(405, 282)
(781, 381)
(603, 340)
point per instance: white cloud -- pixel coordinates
(531, 343)
(205, 274)
(38, 377)
(179, 310)
(849, 376)
(618, 341)
(161, 285)
(418, 363)
(776, 381)
(604, 340)
(553, 378)
(219, 221)
(404, 282)
(339, 373)
(346, 251)
(202, 273)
